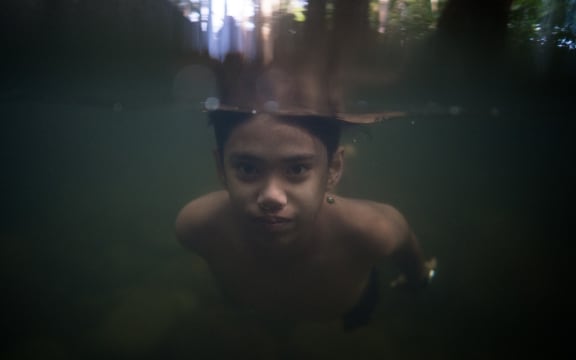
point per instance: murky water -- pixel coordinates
(101, 147)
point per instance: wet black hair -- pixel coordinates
(326, 129)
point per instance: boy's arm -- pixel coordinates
(398, 242)
(416, 270)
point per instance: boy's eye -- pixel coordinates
(297, 170)
(246, 170)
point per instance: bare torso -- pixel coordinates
(321, 283)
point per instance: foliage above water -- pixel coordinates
(544, 23)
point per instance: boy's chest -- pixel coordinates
(324, 288)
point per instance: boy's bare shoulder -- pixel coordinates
(380, 227)
(199, 219)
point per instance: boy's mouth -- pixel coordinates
(273, 223)
(271, 219)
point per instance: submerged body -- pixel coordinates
(280, 243)
(321, 279)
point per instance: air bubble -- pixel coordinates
(271, 106)
(212, 103)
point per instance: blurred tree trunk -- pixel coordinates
(351, 26)
(476, 27)
(314, 27)
(465, 60)
(346, 42)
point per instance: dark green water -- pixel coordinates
(90, 266)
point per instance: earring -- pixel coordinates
(330, 199)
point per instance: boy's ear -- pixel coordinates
(335, 168)
(219, 166)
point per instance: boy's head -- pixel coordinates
(277, 169)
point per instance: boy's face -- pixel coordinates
(277, 175)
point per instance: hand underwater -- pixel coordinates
(402, 282)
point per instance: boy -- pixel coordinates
(278, 240)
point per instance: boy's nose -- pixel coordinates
(272, 197)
